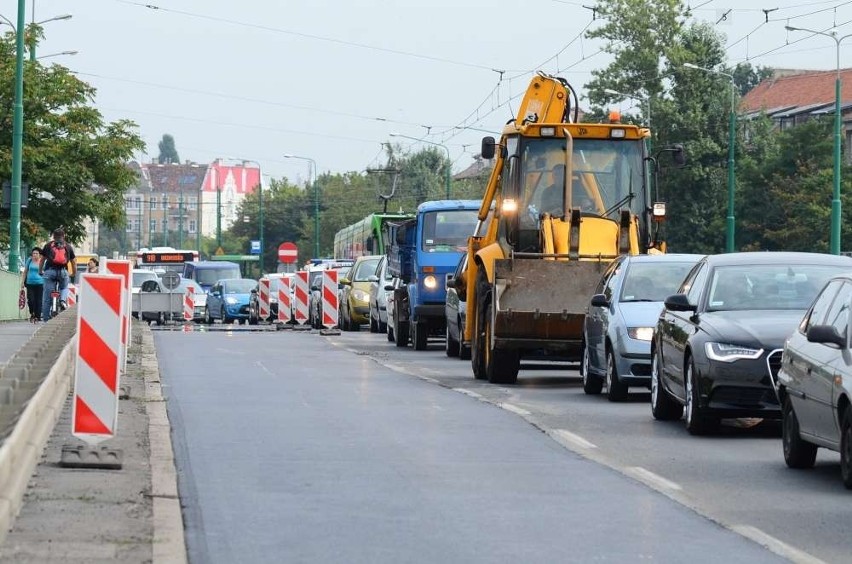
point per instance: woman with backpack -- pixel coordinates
(32, 281)
(58, 256)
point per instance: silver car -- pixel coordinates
(621, 319)
(815, 381)
(379, 297)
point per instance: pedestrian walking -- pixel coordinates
(33, 283)
(92, 265)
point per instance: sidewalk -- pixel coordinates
(13, 335)
(82, 515)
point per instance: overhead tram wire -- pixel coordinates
(303, 35)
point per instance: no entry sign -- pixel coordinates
(287, 253)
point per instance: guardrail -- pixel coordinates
(10, 287)
(33, 387)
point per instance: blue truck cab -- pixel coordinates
(422, 252)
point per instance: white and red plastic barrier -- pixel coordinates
(72, 295)
(284, 304)
(263, 299)
(189, 304)
(123, 268)
(301, 295)
(329, 299)
(100, 323)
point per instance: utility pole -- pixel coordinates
(218, 217)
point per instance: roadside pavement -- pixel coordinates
(13, 335)
(88, 515)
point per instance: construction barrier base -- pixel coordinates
(332, 331)
(102, 458)
(301, 327)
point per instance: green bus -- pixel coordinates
(364, 237)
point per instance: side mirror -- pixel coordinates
(826, 334)
(316, 288)
(254, 290)
(389, 288)
(345, 281)
(678, 302)
(487, 149)
(451, 282)
(599, 300)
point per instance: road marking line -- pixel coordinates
(649, 478)
(470, 393)
(514, 409)
(778, 547)
(563, 436)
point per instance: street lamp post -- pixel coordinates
(53, 19)
(316, 201)
(449, 160)
(732, 137)
(17, 144)
(835, 198)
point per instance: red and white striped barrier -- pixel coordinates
(72, 295)
(123, 268)
(301, 295)
(189, 304)
(284, 304)
(329, 299)
(97, 368)
(263, 299)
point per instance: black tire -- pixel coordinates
(207, 319)
(389, 331)
(374, 325)
(383, 326)
(846, 448)
(400, 329)
(501, 365)
(616, 390)
(697, 422)
(798, 453)
(253, 319)
(419, 335)
(161, 319)
(477, 353)
(663, 406)
(225, 319)
(592, 384)
(452, 346)
(464, 352)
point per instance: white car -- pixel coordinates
(139, 276)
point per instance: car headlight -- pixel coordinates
(360, 295)
(430, 282)
(640, 333)
(231, 301)
(724, 352)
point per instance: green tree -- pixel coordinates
(168, 151)
(73, 160)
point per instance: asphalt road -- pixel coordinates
(291, 448)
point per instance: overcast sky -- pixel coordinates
(331, 79)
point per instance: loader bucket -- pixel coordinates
(541, 304)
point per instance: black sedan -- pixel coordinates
(719, 337)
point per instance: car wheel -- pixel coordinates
(501, 365)
(374, 325)
(223, 317)
(161, 318)
(400, 330)
(616, 390)
(697, 423)
(383, 326)
(452, 346)
(476, 346)
(419, 335)
(207, 319)
(798, 453)
(663, 406)
(846, 448)
(592, 385)
(389, 331)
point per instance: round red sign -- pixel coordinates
(287, 253)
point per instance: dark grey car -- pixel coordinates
(815, 381)
(456, 310)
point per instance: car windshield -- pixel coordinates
(239, 286)
(448, 230)
(365, 269)
(139, 277)
(653, 281)
(209, 276)
(766, 286)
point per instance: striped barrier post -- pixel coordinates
(72, 295)
(263, 299)
(123, 268)
(329, 299)
(97, 367)
(301, 297)
(284, 304)
(189, 304)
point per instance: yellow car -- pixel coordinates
(355, 293)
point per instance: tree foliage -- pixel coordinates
(73, 160)
(168, 151)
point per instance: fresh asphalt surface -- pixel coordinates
(291, 448)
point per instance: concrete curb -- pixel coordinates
(21, 450)
(169, 543)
